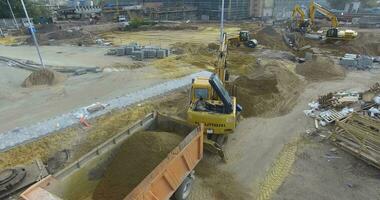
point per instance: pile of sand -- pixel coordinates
(137, 157)
(70, 36)
(320, 69)
(271, 38)
(270, 90)
(43, 77)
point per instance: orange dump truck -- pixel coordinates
(171, 178)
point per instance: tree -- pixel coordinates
(34, 10)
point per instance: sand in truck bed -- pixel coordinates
(137, 157)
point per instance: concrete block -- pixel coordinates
(348, 62)
(308, 56)
(161, 53)
(128, 50)
(120, 51)
(137, 55)
(148, 53)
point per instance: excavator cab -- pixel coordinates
(244, 36)
(332, 33)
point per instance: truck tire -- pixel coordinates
(183, 192)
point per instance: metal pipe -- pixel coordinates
(222, 23)
(13, 15)
(31, 28)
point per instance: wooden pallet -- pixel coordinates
(331, 115)
(360, 136)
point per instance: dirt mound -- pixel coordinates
(366, 43)
(42, 77)
(137, 157)
(70, 36)
(270, 90)
(320, 69)
(271, 38)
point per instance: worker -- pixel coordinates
(200, 105)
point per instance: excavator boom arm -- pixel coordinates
(298, 9)
(221, 65)
(316, 7)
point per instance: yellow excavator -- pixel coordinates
(244, 37)
(333, 33)
(299, 22)
(212, 105)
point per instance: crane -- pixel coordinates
(333, 32)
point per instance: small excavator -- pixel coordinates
(212, 105)
(299, 23)
(332, 33)
(244, 38)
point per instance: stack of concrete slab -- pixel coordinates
(138, 52)
(357, 61)
(137, 55)
(120, 51)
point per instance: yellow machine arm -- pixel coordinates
(221, 66)
(298, 10)
(316, 7)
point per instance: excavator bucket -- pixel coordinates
(214, 147)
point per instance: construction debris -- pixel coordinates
(355, 120)
(138, 52)
(339, 105)
(360, 136)
(356, 61)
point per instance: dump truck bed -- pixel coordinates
(78, 180)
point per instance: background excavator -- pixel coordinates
(212, 105)
(244, 38)
(332, 33)
(299, 22)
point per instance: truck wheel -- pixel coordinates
(183, 192)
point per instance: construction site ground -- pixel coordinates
(269, 155)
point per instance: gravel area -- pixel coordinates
(23, 135)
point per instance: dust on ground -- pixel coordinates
(271, 89)
(321, 171)
(43, 77)
(9, 40)
(221, 184)
(134, 65)
(69, 36)
(203, 35)
(135, 159)
(321, 68)
(187, 58)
